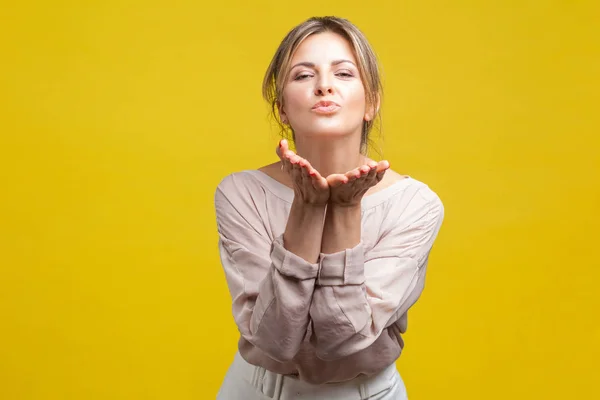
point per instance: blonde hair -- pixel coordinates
(278, 71)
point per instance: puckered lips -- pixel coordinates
(325, 107)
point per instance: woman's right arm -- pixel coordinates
(271, 281)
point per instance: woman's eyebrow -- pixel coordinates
(312, 65)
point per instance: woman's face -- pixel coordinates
(324, 94)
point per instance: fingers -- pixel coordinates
(317, 180)
(368, 174)
(304, 174)
(382, 166)
(365, 170)
(371, 175)
(314, 173)
(336, 180)
(293, 162)
(286, 162)
(296, 169)
(358, 173)
(300, 170)
(304, 168)
(373, 171)
(282, 148)
(319, 183)
(286, 155)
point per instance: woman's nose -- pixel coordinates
(324, 87)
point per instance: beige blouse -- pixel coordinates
(344, 315)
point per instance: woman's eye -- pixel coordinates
(301, 76)
(345, 74)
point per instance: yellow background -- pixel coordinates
(119, 118)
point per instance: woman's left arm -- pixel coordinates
(357, 293)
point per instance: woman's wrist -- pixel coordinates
(311, 200)
(342, 228)
(309, 206)
(345, 207)
(304, 230)
(344, 214)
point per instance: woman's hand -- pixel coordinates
(348, 189)
(309, 186)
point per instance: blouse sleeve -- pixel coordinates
(358, 294)
(271, 288)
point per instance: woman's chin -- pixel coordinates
(327, 131)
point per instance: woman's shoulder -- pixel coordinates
(238, 182)
(405, 197)
(395, 185)
(251, 184)
(390, 178)
(251, 197)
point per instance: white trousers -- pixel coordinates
(245, 381)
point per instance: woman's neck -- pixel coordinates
(332, 156)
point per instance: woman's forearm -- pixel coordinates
(304, 230)
(342, 228)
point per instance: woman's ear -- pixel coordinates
(372, 110)
(280, 110)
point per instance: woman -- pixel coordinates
(324, 251)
